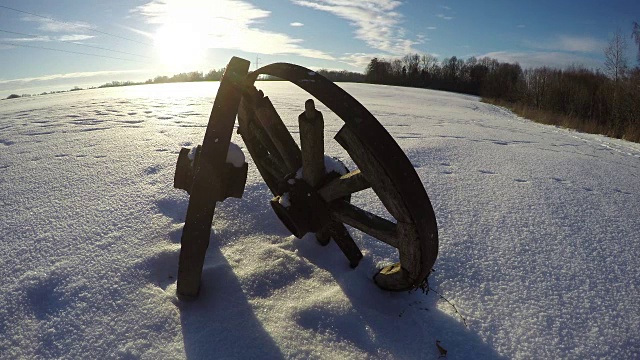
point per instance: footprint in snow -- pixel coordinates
(152, 169)
(621, 192)
(560, 180)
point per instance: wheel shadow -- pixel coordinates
(220, 323)
(389, 324)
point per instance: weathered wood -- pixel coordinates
(250, 128)
(278, 133)
(345, 185)
(208, 184)
(409, 249)
(394, 278)
(233, 178)
(323, 236)
(311, 124)
(375, 173)
(369, 223)
(269, 168)
(345, 242)
(397, 169)
(183, 177)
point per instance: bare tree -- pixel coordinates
(615, 61)
(636, 36)
(428, 62)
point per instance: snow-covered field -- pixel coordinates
(539, 238)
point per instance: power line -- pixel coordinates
(73, 42)
(68, 51)
(87, 28)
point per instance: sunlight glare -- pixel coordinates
(180, 47)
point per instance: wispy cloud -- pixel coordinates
(51, 25)
(431, 27)
(45, 38)
(543, 58)
(444, 7)
(296, 24)
(444, 17)
(422, 38)
(583, 44)
(377, 22)
(75, 75)
(228, 24)
(136, 31)
(74, 37)
(360, 60)
(521, 26)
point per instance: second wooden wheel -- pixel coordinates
(312, 191)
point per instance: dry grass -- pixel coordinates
(631, 133)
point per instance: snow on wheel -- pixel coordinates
(312, 191)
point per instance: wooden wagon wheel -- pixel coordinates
(312, 200)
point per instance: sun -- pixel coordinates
(180, 47)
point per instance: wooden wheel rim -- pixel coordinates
(375, 140)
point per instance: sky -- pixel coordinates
(56, 45)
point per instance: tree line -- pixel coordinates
(606, 102)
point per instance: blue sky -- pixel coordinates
(141, 39)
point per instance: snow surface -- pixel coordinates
(539, 238)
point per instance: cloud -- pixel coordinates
(444, 7)
(75, 37)
(443, 16)
(422, 38)
(543, 58)
(137, 31)
(359, 60)
(51, 25)
(225, 24)
(431, 27)
(582, 44)
(75, 75)
(521, 26)
(377, 22)
(45, 38)
(296, 24)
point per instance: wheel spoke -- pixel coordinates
(278, 133)
(343, 186)
(375, 173)
(371, 224)
(311, 124)
(257, 143)
(345, 242)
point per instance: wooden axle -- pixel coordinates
(233, 177)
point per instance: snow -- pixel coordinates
(284, 200)
(538, 237)
(331, 164)
(235, 156)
